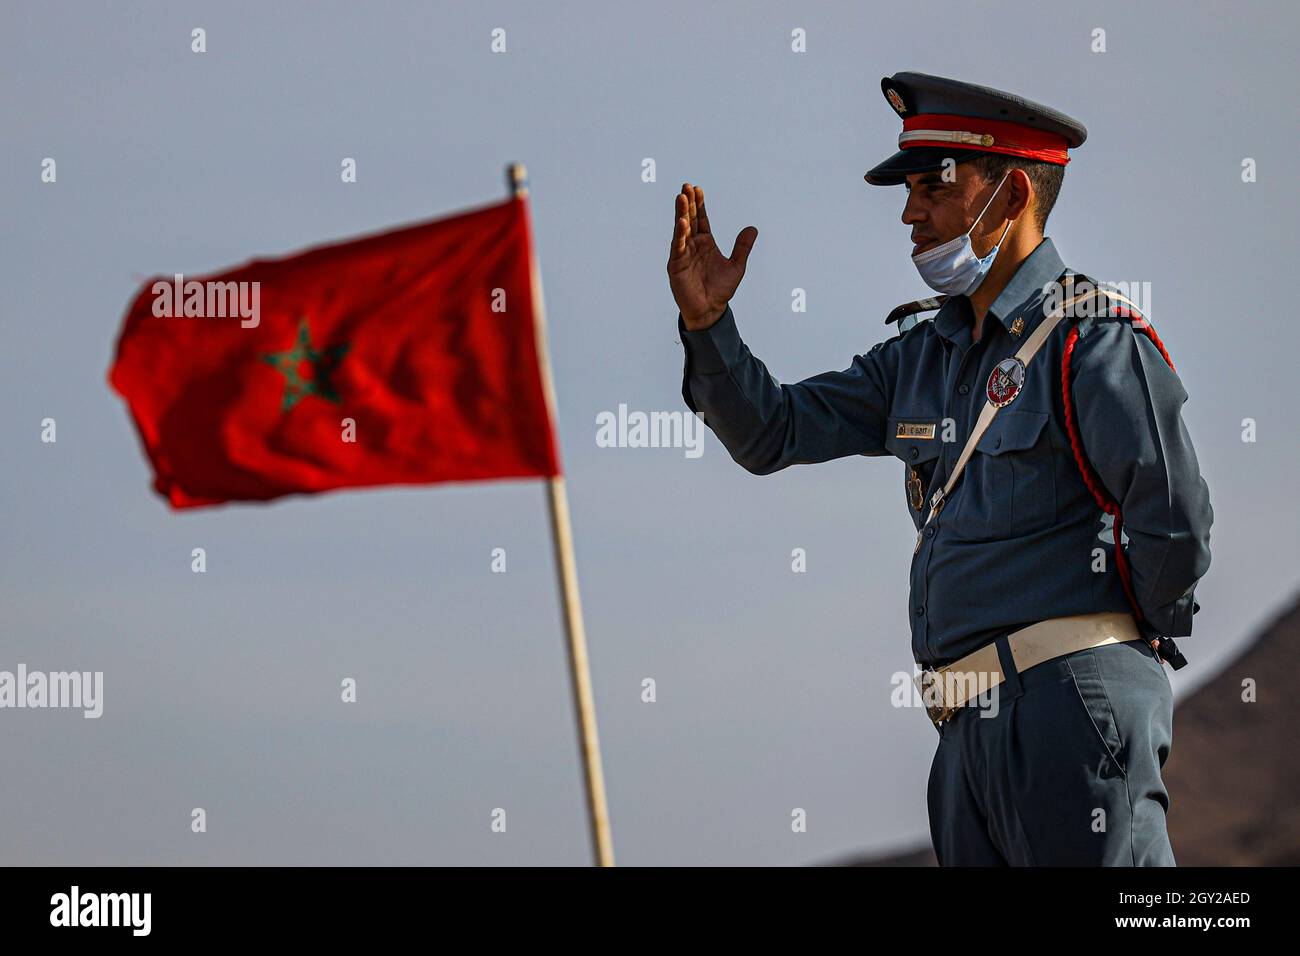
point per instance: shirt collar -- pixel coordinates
(1041, 267)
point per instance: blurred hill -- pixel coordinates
(1233, 773)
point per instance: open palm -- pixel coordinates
(702, 279)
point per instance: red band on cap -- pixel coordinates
(1013, 139)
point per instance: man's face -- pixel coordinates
(938, 210)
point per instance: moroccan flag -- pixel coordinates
(407, 357)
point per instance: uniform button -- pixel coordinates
(929, 532)
(964, 389)
(997, 442)
(920, 610)
(913, 453)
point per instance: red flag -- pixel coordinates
(401, 358)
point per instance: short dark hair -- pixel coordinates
(1046, 178)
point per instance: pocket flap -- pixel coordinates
(1012, 430)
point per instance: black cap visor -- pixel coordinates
(920, 159)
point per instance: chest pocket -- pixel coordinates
(918, 455)
(1011, 479)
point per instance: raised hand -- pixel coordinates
(702, 279)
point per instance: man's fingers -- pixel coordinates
(744, 243)
(689, 191)
(703, 219)
(680, 230)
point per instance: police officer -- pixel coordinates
(1034, 416)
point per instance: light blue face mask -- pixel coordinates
(952, 268)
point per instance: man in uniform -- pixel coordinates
(1020, 451)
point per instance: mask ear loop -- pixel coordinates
(997, 245)
(990, 203)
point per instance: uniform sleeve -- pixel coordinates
(767, 426)
(1129, 408)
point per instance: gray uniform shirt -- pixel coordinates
(1017, 541)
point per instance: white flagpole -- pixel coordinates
(562, 536)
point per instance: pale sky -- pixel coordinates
(222, 689)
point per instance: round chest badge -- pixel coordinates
(1004, 383)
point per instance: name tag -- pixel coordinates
(914, 431)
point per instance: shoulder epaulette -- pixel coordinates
(911, 308)
(1116, 305)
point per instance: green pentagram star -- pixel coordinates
(316, 381)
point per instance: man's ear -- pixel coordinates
(1020, 195)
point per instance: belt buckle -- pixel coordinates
(936, 712)
(939, 714)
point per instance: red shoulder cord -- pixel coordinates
(1090, 477)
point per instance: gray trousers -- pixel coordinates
(1068, 771)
